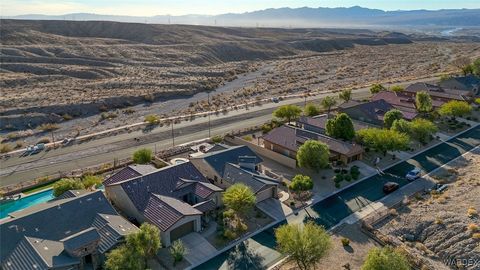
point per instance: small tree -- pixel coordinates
(385, 258)
(391, 116)
(66, 184)
(455, 108)
(423, 102)
(142, 156)
(122, 258)
(462, 63)
(340, 127)
(396, 88)
(477, 100)
(345, 95)
(145, 241)
(401, 125)
(311, 110)
(313, 155)
(139, 247)
(377, 88)
(217, 139)
(288, 112)
(177, 251)
(240, 198)
(304, 245)
(328, 102)
(422, 129)
(383, 140)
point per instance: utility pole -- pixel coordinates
(173, 134)
(53, 139)
(305, 100)
(209, 127)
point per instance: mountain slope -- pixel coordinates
(299, 17)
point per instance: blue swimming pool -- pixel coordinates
(40, 197)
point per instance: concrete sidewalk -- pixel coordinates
(198, 248)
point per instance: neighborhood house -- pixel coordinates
(237, 164)
(177, 199)
(75, 231)
(287, 139)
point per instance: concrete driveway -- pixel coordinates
(198, 248)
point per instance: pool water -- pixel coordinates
(40, 197)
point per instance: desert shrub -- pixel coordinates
(177, 251)
(5, 148)
(247, 138)
(217, 139)
(67, 117)
(230, 213)
(476, 236)
(142, 156)
(471, 212)
(92, 181)
(229, 234)
(152, 119)
(149, 97)
(48, 127)
(66, 184)
(19, 144)
(345, 242)
(108, 116)
(44, 140)
(348, 177)
(241, 227)
(128, 111)
(472, 227)
(338, 178)
(438, 221)
(337, 185)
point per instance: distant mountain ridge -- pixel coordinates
(296, 17)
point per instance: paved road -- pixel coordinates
(259, 251)
(20, 169)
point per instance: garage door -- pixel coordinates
(181, 231)
(265, 194)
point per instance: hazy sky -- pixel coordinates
(180, 7)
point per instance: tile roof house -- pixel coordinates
(469, 83)
(174, 198)
(70, 233)
(404, 102)
(237, 164)
(372, 112)
(437, 93)
(287, 139)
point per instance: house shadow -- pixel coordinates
(244, 258)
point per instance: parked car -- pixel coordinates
(438, 188)
(275, 100)
(390, 187)
(414, 174)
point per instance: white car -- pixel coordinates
(413, 174)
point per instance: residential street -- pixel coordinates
(89, 153)
(331, 210)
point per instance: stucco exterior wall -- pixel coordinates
(121, 201)
(165, 236)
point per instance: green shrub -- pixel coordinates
(247, 138)
(142, 156)
(347, 178)
(229, 234)
(217, 139)
(337, 185)
(5, 148)
(177, 251)
(338, 178)
(345, 242)
(152, 119)
(48, 127)
(44, 140)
